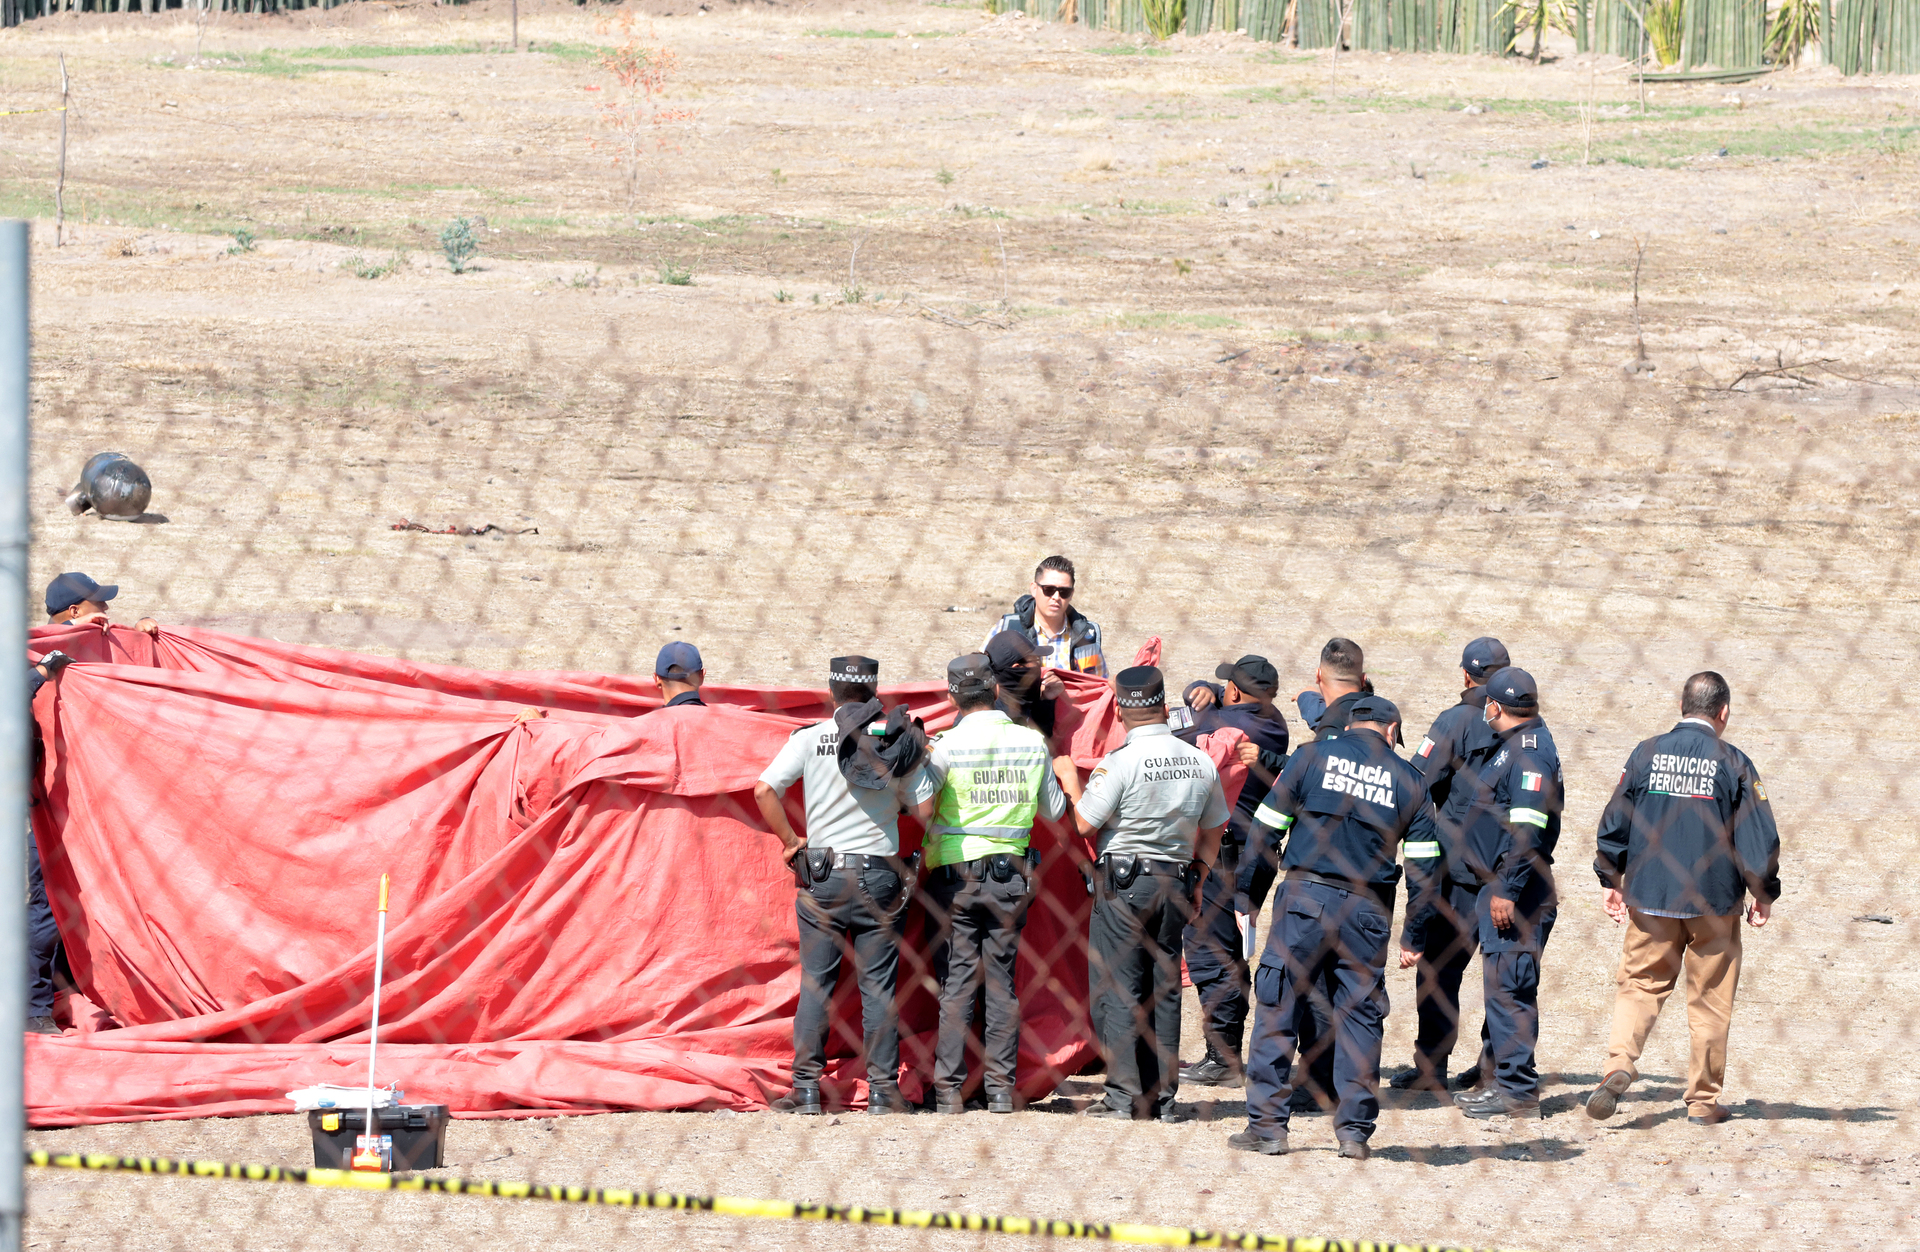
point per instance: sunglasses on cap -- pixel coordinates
(1054, 589)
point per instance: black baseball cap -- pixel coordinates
(853, 669)
(1373, 709)
(1254, 675)
(1514, 689)
(1140, 687)
(970, 675)
(70, 589)
(1010, 653)
(677, 660)
(1483, 656)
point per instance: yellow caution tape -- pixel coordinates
(732, 1206)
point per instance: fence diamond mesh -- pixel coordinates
(1274, 352)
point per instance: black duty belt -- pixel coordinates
(1121, 868)
(999, 866)
(817, 865)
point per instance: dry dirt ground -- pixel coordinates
(1275, 347)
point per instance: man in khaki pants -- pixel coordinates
(1687, 836)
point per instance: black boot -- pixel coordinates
(1214, 1071)
(884, 1098)
(804, 1098)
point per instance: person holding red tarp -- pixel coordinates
(588, 912)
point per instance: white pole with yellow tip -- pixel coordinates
(369, 1149)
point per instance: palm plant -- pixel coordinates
(1666, 19)
(1795, 28)
(1163, 17)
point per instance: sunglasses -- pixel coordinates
(1053, 589)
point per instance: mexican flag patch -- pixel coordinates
(1425, 748)
(1529, 781)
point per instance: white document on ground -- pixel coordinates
(326, 1095)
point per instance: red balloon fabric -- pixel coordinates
(587, 911)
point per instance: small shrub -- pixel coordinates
(675, 275)
(783, 297)
(360, 267)
(584, 279)
(459, 243)
(779, 179)
(853, 294)
(944, 177)
(243, 241)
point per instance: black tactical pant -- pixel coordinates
(1451, 937)
(976, 920)
(1217, 959)
(1510, 962)
(849, 913)
(43, 938)
(1133, 964)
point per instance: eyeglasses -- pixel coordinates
(1054, 589)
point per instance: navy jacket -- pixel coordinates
(1451, 756)
(1269, 734)
(1689, 828)
(1513, 827)
(1342, 808)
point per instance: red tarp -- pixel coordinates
(587, 913)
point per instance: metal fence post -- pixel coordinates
(15, 741)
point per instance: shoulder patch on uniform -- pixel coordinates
(1529, 781)
(1097, 771)
(1759, 789)
(1529, 741)
(1425, 748)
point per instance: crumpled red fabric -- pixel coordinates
(586, 913)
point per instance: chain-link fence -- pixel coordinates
(416, 541)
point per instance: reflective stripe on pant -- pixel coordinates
(1133, 964)
(976, 924)
(1320, 932)
(1217, 959)
(1650, 964)
(1448, 949)
(855, 914)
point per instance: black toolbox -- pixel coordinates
(419, 1133)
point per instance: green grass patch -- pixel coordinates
(392, 191)
(270, 63)
(369, 51)
(1131, 50)
(1171, 321)
(1672, 147)
(851, 34)
(571, 51)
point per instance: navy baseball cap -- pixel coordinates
(1373, 709)
(1514, 689)
(70, 589)
(677, 661)
(970, 675)
(1140, 687)
(1254, 675)
(1483, 656)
